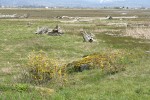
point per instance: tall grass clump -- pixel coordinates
(41, 69)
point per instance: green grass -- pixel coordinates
(17, 40)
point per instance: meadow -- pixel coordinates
(18, 40)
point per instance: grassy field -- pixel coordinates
(17, 41)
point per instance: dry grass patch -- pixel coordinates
(143, 33)
(6, 70)
(43, 90)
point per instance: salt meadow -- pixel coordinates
(41, 66)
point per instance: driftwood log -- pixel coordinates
(56, 31)
(109, 17)
(87, 37)
(14, 16)
(42, 30)
(46, 30)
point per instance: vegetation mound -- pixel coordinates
(109, 63)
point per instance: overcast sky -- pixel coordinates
(77, 3)
(102, 1)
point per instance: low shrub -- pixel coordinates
(41, 69)
(109, 63)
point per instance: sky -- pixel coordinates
(104, 1)
(78, 3)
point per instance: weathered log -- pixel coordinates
(87, 37)
(56, 31)
(46, 30)
(42, 30)
(109, 17)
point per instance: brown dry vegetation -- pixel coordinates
(45, 13)
(138, 32)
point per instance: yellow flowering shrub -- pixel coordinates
(110, 63)
(42, 69)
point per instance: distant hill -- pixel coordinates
(77, 3)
